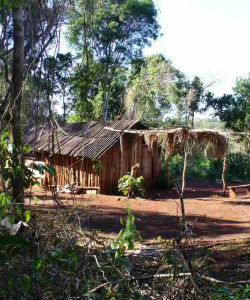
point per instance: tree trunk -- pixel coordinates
(64, 106)
(16, 100)
(105, 106)
(192, 119)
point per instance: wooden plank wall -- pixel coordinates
(81, 171)
(70, 169)
(134, 151)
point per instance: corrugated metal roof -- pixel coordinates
(89, 139)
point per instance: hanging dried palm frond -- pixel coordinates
(212, 143)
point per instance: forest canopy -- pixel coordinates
(105, 75)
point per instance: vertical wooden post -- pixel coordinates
(122, 155)
(167, 170)
(186, 153)
(184, 174)
(47, 184)
(224, 174)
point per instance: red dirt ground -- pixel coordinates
(211, 216)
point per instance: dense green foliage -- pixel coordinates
(152, 85)
(205, 168)
(234, 109)
(239, 293)
(161, 95)
(131, 186)
(107, 35)
(200, 167)
(7, 168)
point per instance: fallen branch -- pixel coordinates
(224, 282)
(139, 278)
(157, 276)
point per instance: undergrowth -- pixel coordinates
(54, 258)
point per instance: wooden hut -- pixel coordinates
(94, 154)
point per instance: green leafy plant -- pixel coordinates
(5, 205)
(131, 186)
(97, 165)
(127, 237)
(239, 293)
(8, 170)
(12, 211)
(201, 167)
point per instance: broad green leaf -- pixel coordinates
(27, 214)
(27, 283)
(37, 263)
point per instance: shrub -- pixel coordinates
(200, 167)
(131, 186)
(238, 293)
(162, 183)
(126, 237)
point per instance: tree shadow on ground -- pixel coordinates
(238, 202)
(194, 189)
(189, 193)
(152, 225)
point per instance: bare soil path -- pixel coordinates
(211, 216)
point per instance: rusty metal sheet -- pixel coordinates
(88, 139)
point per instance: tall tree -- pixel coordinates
(27, 30)
(197, 95)
(234, 109)
(54, 75)
(108, 34)
(16, 100)
(154, 88)
(63, 71)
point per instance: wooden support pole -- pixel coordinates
(184, 174)
(167, 171)
(122, 155)
(224, 174)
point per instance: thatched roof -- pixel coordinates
(87, 139)
(213, 143)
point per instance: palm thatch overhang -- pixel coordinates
(184, 141)
(86, 140)
(174, 140)
(213, 143)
